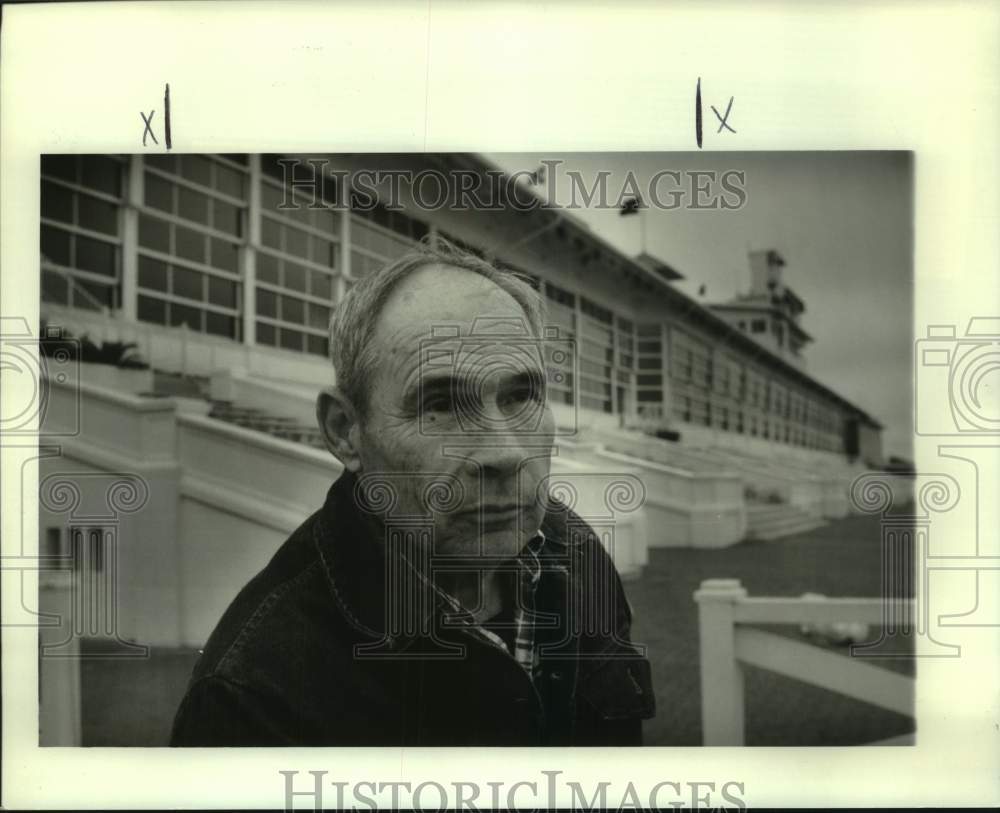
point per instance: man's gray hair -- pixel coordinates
(352, 324)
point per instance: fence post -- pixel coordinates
(722, 715)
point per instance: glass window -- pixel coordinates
(295, 277)
(102, 173)
(60, 166)
(98, 215)
(229, 181)
(57, 202)
(189, 244)
(185, 315)
(55, 245)
(159, 193)
(290, 339)
(220, 324)
(152, 310)
(152, 273)
(319, 345)
(319, 316)
(222, 292)
(188, 283)
(224, 254)
(270, 233)
(292, 310)
(95, 255)
(266, 334)
(154, 233)
(227, 218)
(321, 284)
(196, 168)
(192, 205)
(55, 287)
(296, 242)
(267, 303)
(267, 268)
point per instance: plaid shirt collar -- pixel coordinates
(528, 574)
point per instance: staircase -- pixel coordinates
(767, 521)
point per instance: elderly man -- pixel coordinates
(439, 597)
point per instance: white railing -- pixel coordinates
(724, 608)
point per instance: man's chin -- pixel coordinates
(488, 543)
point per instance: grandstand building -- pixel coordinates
(227, 295)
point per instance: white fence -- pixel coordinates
(724, 608)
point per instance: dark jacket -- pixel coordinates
(301, 656)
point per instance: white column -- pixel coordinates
(248, 265)
(722, 712)
(667, 403)
(130, 238)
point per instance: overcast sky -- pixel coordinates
(841, 220)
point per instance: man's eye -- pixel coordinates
(522, 393)
(440, 402)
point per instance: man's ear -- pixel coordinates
(338, 421)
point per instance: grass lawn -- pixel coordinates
(839, 559)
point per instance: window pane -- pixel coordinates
(292, 310)
(322, 251)
(321, 284)
(227, 218)
(267, 303)
(267, 268)
(60, 166)
(159, 193)
(188, 283)
(189, 244)
(318, 345)
(196, 168)
(98, 215)
(295, 277)
(152, 274)
(229, 181)
(154, 233)
(168, 163)
(55, 287)
(296, 242)
(224, 254)
(55, 245)
(98, 293)
(290, 339)
(270, 233)
(95, 255)
(152, 310)
(270, 197)
(57, 202)
(192, 205)
(266, 334)
(319, 316)
(185, 315)
(101, 173)
(222, 292)
(220, 324)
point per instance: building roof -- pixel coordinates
(656, 274)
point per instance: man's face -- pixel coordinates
(459, 409)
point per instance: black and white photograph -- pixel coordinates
(461, 449)
(430, 405)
